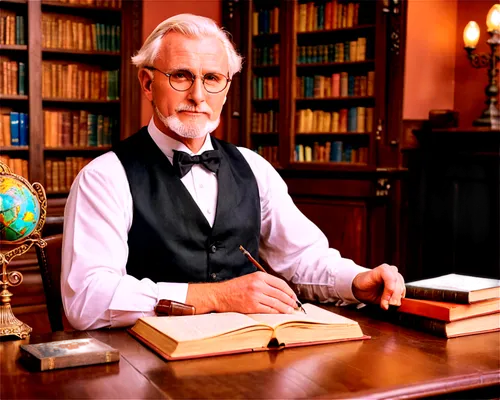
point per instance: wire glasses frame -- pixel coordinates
(183, 79)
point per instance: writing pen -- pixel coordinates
(261, 268)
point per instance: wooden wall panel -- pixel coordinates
(343, 223)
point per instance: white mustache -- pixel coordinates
(185, 107)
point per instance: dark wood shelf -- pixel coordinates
(14, 148)
(53, 193)
(264, 133)
(274, 68)
(265, 100)
(266, 36)
(76, 101)
(77, 149)
(338, 30)
(13, 97)
(329, 99)
(329, 166)
(57, 4)
(14, 1)
(335, 64)
(14, 47)
(332, 133)
(91, 53)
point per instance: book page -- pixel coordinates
(315, 315)
(196, 327)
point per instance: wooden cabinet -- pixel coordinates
(320, 98)
(453, 203)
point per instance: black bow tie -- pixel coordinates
(183, 162)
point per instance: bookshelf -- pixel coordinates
(64, 66)
(264, 78)
(51, 110)
(336, 126)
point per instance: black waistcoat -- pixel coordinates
(170, 239)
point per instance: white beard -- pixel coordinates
(191, 131)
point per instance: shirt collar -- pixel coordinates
(167, 144)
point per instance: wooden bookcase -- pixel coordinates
(29, 300)
(351, 194)
(80, 93)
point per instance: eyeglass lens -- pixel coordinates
(182, 80)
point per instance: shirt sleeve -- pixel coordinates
(295, 247)
(96, 290)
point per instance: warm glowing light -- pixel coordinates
(493, 18)
(471, 34)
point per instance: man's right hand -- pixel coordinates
(253, 293)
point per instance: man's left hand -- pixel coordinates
(382, 285)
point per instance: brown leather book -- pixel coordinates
(67, 353)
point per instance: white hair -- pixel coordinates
(192, 26)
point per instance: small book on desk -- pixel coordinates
(67, 353)
(193, 336)
(454, 288)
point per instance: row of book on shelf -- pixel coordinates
(14, 129)
(12, 28)
(336, 151)
(62, 80)
(347, 51)
(18, 166)
(79, 81)
(452, 305)
(59, 174)
(270, 153)
(354, 119)
(266, 21)
(93, 3)
(334, 14)
(78, 128)
(310, 17)
(12, 77)
(60, 31)
(266, 55)
(265, 121)
(265, 87)
(341, 84)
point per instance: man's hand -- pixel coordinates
(383, 285)
(253, 293)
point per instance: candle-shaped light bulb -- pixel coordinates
(493, 18)
(471, 35)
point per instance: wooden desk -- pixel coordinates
(397, 362)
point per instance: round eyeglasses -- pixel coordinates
(183, 79)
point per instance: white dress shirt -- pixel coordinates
(96, 289)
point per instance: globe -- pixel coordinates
(19, 209)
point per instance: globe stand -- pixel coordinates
(9, 324)
(30, 235)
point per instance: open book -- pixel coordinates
(224, 333)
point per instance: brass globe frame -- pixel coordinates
(9, 324)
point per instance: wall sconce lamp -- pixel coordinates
(491, 115)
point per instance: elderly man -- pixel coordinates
(162, 215)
